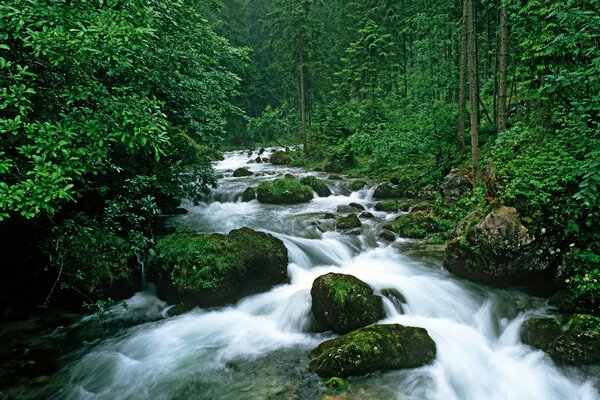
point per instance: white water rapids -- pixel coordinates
(256, 349)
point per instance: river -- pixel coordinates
(256, 348)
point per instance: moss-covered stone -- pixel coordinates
(280, 158)
(284, 191)
(348, 222)
(418, 224)
(577, 342)
(249, 194)
(366, 215)
(343, 302)
(393, 205)
(385, 191)
(373, 348)
(210, 269)
(357, 185)
(240, 172)
(317, 185)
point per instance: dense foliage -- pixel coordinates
(109, 108)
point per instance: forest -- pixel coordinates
(473, 124)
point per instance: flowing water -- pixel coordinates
(256, 348)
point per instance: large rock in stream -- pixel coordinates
(280, 158)
(213, 269)
(499, 250)
(343, 302)
(317, 185)
(373, 348)
(576, 342)
(284, 191)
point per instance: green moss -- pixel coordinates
(284, 191)
(357, 185)
(337, 384)
(418, 224)
(348, 222)
(317, 185)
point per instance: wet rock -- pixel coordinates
(261, 151)
(373, 348)
(357, 185)
(455, 185)
(240, 172)
(250, 152)
(366, 215)
(576, 342)
(357, 206)
(249, 194)
(258, 160)
(214, 269)
(348, 222)
(265, 159)
(386, 235)
(418, 224)
(384, 191)
(397, 298)
(499, 250)
(251, 162)
(317, 185)
(280, 158)
(335, 177)
(283, 191)
(350, 208)
(393, 205)
(329, 216)
(343, 302)
(179, 309)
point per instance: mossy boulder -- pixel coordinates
(498, 250)
(419, 224)
(284, 191)
(317, 185)
(280, 158)
(393, 205)
(350, 221)
(213, 269)
(343, 302)
(385, 191)
(373, 348)
(240, 172)
(357, 185)
(577, 342)
(455, 185)
(249, 194)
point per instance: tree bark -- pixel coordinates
(462, 86)
(473, 90)
(303, 132)
(503, 79)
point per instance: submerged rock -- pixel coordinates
(348, 222)
(240, 172)
(317, 185)
(280, 158)
(284, 191)
(343, 302)
(212, 269)
(575, 343)
(498, 250)
(373, 348)
(249, 194)
(366, 215)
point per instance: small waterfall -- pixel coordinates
(141, 259)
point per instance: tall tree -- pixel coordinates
(462, 84)
(473, 89)
(503, 67)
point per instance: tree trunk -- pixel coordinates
(503, 80)
(462, 87)
(303, 133)
(473, 90)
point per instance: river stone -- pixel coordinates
(283, 191)
(384, 191)
(249, 194)
(214, 269)
(348, 222)
(343, 302)
(357, 185)
(427, 192)
(393, 205)
(258, 160)
(575, 343)
(386, 235)
(317, 185)
(280, 158)
(455, 185)
(499, 250)
(240, 172)
(366, 215)
(373, 348)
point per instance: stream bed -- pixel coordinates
(256, 348)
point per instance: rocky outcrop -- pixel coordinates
(498, 250)
(455, 185)
(373, 348)
(240, 172)
(317, 185)
(280, 158)
(213, 269)
(343, 302)
(577, 342)
(385, 191)
(348, 222)
(283, 191)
